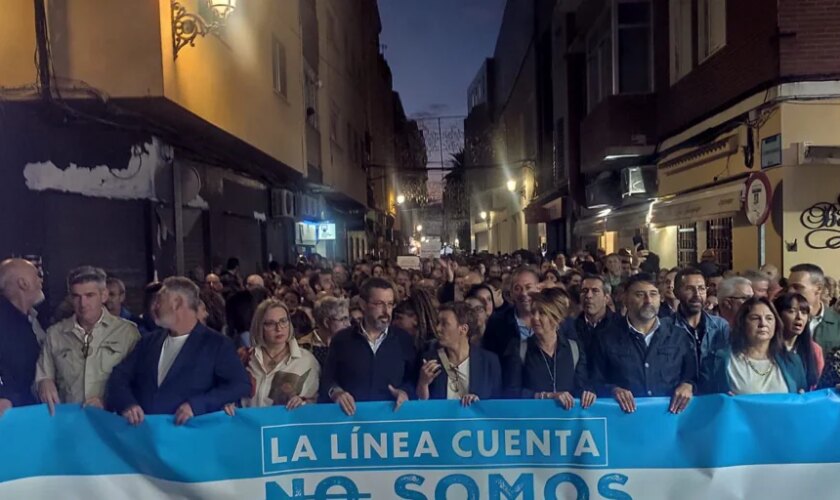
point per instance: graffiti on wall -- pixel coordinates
(822, 220)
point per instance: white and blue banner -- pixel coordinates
(769, 447)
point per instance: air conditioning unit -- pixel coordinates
(809, 154)
(282, 203)
(638, 182)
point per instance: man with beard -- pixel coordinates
(646, 356)
(708, 332)
(595, 318)
(514, 322)
(21, 289)
(183, 368)
(372, 360)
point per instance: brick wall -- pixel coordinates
(747, 63)
(810, 38)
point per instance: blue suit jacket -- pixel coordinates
(485, 374)
(207, 374)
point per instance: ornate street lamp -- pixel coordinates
(186, 26)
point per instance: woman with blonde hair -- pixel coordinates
(554, 367)
(282, 373)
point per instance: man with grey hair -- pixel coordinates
(331, 316)
(79, 352)
(183, 369)
(760, 282)
(731, 294)
(20, 291)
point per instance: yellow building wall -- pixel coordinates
(805, 186)
(228, 79)
(111, 46)
(17, 44)
(663, 242)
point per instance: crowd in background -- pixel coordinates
(465, 327)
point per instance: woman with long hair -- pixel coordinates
(756, 361)
(553, 367)
(795, 313)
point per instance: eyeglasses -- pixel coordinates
(379, 304)
(281, 324)
(342, 319)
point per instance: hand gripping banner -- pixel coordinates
(769, 447)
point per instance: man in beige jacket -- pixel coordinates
(80, 352)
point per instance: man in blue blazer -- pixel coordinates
(184, 368)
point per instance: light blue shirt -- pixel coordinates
(525, 331)
(374, 346)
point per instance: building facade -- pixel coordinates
(150, 152)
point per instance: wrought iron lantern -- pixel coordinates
(186, 26)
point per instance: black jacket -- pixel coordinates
(620, 358)
(578, 328)
(524, 379)
(485, 374)
(352, 365)
(501, 329)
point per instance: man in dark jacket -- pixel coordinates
(646, 356)
(372, 360)
(184, 368)
(20, 291)
(595, 319)
(514, 322)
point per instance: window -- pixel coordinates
(619, 52)
(335, 116)
(634, 48)
(711, 27)
(719, 239)
(680, 14)
(599, 63)
(311, 97)
(279, 66)
(686, 245)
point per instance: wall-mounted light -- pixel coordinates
(419, 227)
(483, 215)
(511, 185)
(186, 27)
(400, 199)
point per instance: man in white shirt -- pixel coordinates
(184, 368)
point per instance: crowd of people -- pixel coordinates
(465, 327)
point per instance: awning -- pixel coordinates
(715, 202)
(538, 212)
(630, 217)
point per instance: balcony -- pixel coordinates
(617, 132)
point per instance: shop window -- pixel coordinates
(719, 239)
(687, 245)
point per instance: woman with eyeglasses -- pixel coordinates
(553, 366)
(756, 361)
(331, 316)
(453, 368)
(795, 313)
(282, 374)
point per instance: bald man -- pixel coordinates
(254, 281)
(21, 288)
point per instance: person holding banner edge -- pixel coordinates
(644, 356)
(372, 360)
(454, 368)
(756, 361)
(554, 366)
(183, 369)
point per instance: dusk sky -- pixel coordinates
(435, 48)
